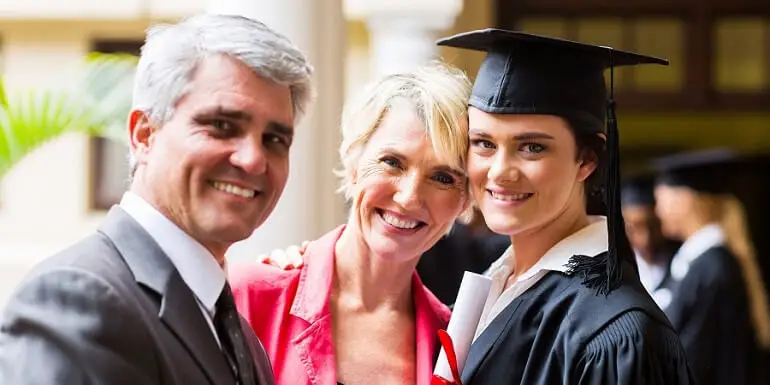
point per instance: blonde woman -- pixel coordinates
(357, 313)
(718, 300)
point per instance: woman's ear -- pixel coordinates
(589, 158)
(589, 161)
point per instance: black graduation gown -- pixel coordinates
(560, 332)
(710, 311)
(441, 268)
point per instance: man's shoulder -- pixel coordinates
(92, 258)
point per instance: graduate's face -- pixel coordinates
(524, 171)
(218, 166)
(642, 228)
(405, 198)
(673, 205)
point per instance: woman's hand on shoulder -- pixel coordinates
(286, 259)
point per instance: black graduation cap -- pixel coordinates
(638, 190)
(524, 73)
(705, 171)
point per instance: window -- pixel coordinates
(719, 51)
(109, 165)
(742, 54)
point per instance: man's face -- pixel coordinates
(642, 228)
(218, 166)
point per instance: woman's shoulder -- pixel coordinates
(256, 278)
(589, 312)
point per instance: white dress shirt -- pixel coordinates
(707, 237)
(590, 241)
(651, 274)
(196, 265)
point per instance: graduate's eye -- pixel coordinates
(532, 148)
(482, 143)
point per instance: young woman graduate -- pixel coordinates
(567, 306)
(719, 303)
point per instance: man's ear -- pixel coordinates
(140, 132)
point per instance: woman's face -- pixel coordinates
(673, 205)
(405, 197)
(524, 170)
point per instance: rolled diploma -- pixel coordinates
(469, 305)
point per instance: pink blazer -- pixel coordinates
(289, 312)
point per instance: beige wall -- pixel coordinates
(44, 199)
(97, 9)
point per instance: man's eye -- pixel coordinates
(273, 140)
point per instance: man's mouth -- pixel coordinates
(235, 190)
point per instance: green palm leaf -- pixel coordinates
(97, 104)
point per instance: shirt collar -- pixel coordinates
(590, 241)
(195, 264)
(707, 237)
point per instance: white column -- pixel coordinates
(309, 205)
(400, 42)
(403, 33)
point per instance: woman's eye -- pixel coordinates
(444, 178)
(390, 161)
(483, 143)
(534, 148)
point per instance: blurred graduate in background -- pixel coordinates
(718, 297)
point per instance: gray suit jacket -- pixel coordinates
(112, 309)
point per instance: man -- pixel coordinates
(653, 251)
(144, 300)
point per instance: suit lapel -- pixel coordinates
(179, 310)
(487, 340)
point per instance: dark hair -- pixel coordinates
(588, 141)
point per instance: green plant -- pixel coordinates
(96, 103)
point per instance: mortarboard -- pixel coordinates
(524, 73)
(638, 190)
(705, 171)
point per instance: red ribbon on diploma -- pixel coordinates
(446, 343)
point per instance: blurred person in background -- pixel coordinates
(653, 251)
(357, 312)
(469, 246)
(718, 298)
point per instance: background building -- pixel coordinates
(717, 91)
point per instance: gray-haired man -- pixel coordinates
(144, 300)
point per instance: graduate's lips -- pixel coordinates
(507, 197)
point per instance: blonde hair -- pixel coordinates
(735, 226)
(439, 95)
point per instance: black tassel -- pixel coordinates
(592, 269)
(618, 243)
(604, 272)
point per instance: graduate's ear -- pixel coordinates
(588, 163)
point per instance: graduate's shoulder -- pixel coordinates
(627, 311)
